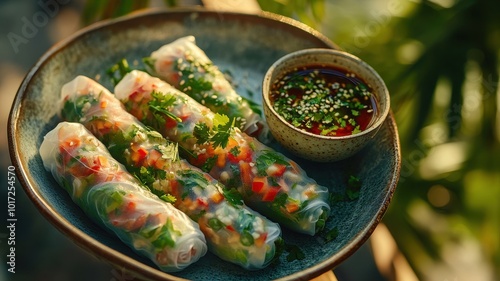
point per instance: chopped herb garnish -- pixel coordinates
(75, 109)
(218, 135)
(209, 164)
(235, 151)
(168, 198)
(335, 197)
(201, 132)
(148, 175)
(329, 235)
(160, 103)
(294, 253)
(222, 128)
(117, 71)
(351, 192)
(326, 101)
(353, 188)
(197, 78)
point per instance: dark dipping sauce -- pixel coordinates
(324, 100)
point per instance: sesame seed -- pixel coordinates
(312, 100)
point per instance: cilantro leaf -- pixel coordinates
(218, 135)
(209, 164)
(222, 129)
(74, 109)
(220, 120)
(331, 234)
(351, 193)
(235, 151)
(161, 103)
(202, 133)
(148, 175)
(294, 253)
(221, 139)
(353, 187)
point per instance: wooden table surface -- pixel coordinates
(327, 276)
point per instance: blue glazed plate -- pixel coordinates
(243, 45)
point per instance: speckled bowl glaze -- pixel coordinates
(313, 146)
(241, 44)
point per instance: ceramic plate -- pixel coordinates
(245, 46)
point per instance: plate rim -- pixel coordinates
(124, 262)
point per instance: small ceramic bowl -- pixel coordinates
(314, 146)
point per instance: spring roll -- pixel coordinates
(185, 66)
(269, 182)
(234, 232)
(114, 199)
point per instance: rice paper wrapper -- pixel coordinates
(185, 66)
(114, 199)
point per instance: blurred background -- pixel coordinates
(440, 61)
